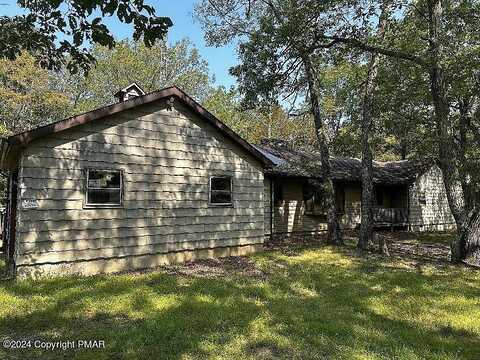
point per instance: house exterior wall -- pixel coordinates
(289, 214)
(267, 200)
(429, 209)
(353, 207)
(434, 215)
(167, 156)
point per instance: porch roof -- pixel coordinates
(301, 163)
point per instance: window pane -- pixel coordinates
(314, 199)
(277, 194)
(340, 199)
(221, 197)
(104, 197)
(220, 183)
(308, 192)
(103, 179)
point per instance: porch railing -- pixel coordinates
(390, 215)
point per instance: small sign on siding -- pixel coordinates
(30, 204)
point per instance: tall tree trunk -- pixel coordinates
(441, 104)
(471, 237)
(465, 178)
(333, 234)
(366, 227)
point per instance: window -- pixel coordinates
(340, 199)
(277, 194)
(104, 188)
(313, 198)
(221, 190)
(379, 197)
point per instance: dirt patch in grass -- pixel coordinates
(406, 245)
(265, 350)
(291, 245)
(214, 268)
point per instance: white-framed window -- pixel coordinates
(104, 188)
(220, 192)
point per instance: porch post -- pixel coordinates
(408, 209)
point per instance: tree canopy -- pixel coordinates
(27, 96)
(153, 68)
(62, 32)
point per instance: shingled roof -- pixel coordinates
(300, 163)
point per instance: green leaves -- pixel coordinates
(26, 98)
(153, 68)
(47, 21)
(110, 7)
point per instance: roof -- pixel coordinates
(11, 143)
(301, 163)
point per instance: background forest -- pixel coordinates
(33, 96)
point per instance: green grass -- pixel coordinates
(312, 303)
(444, 238)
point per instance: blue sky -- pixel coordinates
(184, 25)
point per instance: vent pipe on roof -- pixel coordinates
(129, 92)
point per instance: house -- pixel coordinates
(407, 194)
(155, 178)
(152, 179)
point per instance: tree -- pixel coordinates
(257, 124)
(225, 104)
(440, 33)
(26, 96)
(340, 100)
(366, 227)
(443, 35)
(131, 61)
(52, 29)
(26, 99)
(279, 62)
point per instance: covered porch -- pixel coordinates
(390, 205)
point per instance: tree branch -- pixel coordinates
(398, 54)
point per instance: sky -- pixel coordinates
(184, 26)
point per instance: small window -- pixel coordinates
(277, 194)
(314, 200)
(340, 199)
(221, 190)
(104, 188)
(379, 197)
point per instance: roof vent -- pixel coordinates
(129, 92)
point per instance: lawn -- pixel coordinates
(307, 301)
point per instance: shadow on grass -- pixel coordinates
(444, 238)
(315, 302)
